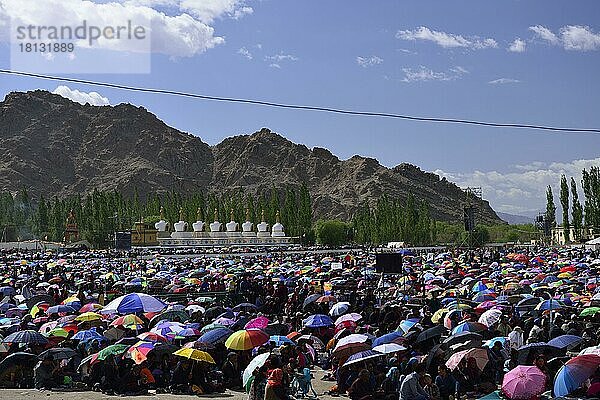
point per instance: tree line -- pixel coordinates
(574, 214)
(101, 213)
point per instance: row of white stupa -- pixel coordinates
(231, 228)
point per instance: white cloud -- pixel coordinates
(545, 34)
(446, 40)
(281, 57)
(424, 74)
(502, 81)
(517, 46)
(92, 98)
(570, 37)
(275, 65)
(522, 189)
(177, 35)
(204, 10)
(244, 52)
(368, 61)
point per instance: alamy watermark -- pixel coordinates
(85, 47)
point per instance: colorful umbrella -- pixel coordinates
(387, 338)
(574, 373)
(469, 326)
(246, 339)
(523, 382)
(152, 337)
(139, 351)
(408, 324)
(134, 303)
(88, 316)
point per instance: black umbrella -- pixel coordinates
(19, 358)
(462, 337)
(526, 351)
(431, 333)
(277, 329)
(58, 353)
(213, 312)
(310, 299)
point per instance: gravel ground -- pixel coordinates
(32, 394)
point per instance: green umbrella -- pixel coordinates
(212, 326)
(590, 311)
(115, 349)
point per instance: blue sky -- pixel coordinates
(454, 59)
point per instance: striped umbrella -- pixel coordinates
(27, 336)
(246, 339)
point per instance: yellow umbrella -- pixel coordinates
(88, 316)
(435, 318)
(195, 354)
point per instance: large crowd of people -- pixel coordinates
(493, 323)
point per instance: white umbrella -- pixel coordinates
(348, 317)
(339, 308)
(257, 362)
(388, 348)
(490, 317)
(353, 338)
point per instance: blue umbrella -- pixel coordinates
(134, 303)
(469, 326)
(490, 343)
(281, 340)
(28, 336)
(478, 287)
(61, 308)
(408, 324)
(549, 304)
(387, 338)
(574, 373)
(216, 335)
(90, 334)
(565, 341)
(7, 290)
(318, 321)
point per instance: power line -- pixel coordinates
(302, 107)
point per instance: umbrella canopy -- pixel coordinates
(534, 348)
(310, 299)
(479, 355)
(362, 356)
(245, 307)
(523, 382)
(339, 308)
(490, 317)
(469, 326)
(218, 335)
(88, 316)
(388, 338)
(27, 336)
(152, 337)
(134, 303)
(257, 323)
(353, 317)
(18, 358)
(58, 353)
(195, 354)
(574, 373)
(112, 350)
(256, 362)
(61, 309)
(318, 321)
(431, 333)
(388, 348)
(565, 341)
(281, 340)
(246, 339)
(90, 334)
(408, 324)
(590, 311)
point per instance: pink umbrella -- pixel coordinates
(524, 382)
(348, 317)
(257, 323)
(479, 355)
(48, 326)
